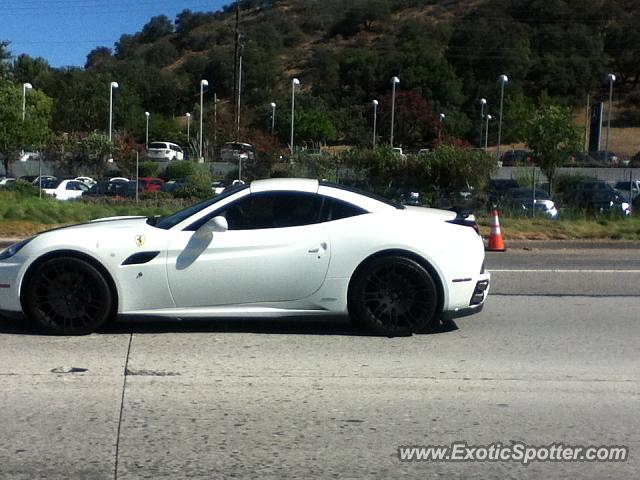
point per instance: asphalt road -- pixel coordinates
(552, 358)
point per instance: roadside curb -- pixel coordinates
(572, 244)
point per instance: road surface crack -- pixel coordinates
(124, 388)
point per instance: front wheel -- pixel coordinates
(393, 296)
(67, 296)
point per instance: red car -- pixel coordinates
(150, 184)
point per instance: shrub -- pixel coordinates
(148, 169)
(20, 187)
(198, 184)
(181, 169)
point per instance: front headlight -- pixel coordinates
(13, 249)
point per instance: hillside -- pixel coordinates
(448, 54)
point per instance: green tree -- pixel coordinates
(5, 56)
(16, 135)
(552, 135)
(98, 56)
(158, 27)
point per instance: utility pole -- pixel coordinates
(235, 59)
(586, 124)
(239, 93)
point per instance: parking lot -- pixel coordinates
(552, 358)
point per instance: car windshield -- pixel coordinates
(48, 183)
(172, 220)
(158, 145)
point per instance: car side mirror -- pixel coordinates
(215, 225)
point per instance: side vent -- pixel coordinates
(140, 258)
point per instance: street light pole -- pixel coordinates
(394, 81)
(375, 121)
(610, 78)
(188, 115)
(294, 82)
(25, 87)
(203, 83)
(442, 117)
(483, 102)
(502, 79)
(273, 117)
(112, 85)
(486, 133)
(146, 137)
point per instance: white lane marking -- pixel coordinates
(559, 270)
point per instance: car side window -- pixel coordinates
(273, 210)
(269, 210)
(334, 209)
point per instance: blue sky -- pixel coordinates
(63, 32)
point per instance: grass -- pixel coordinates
(573, 227)
(21, 216)
(24, 215)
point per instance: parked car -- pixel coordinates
(88, 181)
(273, 247)
(114, 189)
(36, 181)
(165, 151)
(623, 188)
(217, 187)
(398, 151)
(150, 184)
(26, 156)
(597, 196)
(511, 158)
(232, 152)
(64, 189)
(605, 157)
(522, 199)
(172, 185)
(499, 187)
(6, 181)
(118, 179)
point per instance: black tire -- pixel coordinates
(393, 296)
(67, 296)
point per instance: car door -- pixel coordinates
(274, 251)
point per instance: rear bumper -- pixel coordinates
(468, 296)
(462, 312)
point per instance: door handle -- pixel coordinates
(322, 246)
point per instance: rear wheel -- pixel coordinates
(393, 296)
(67, 296)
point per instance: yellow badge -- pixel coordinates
(139, 240)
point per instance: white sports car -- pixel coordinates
(270, 248)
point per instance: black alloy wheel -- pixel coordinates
(393, 296)
(67, 296)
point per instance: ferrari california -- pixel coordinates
(278, 247)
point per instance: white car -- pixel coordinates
(88, 181)
(6, 181)
(270, 248)
(64, 189)
(165, 151)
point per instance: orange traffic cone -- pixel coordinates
(496, 243)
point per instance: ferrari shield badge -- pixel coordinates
(140, 240)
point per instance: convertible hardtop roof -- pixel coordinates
(297, 184)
